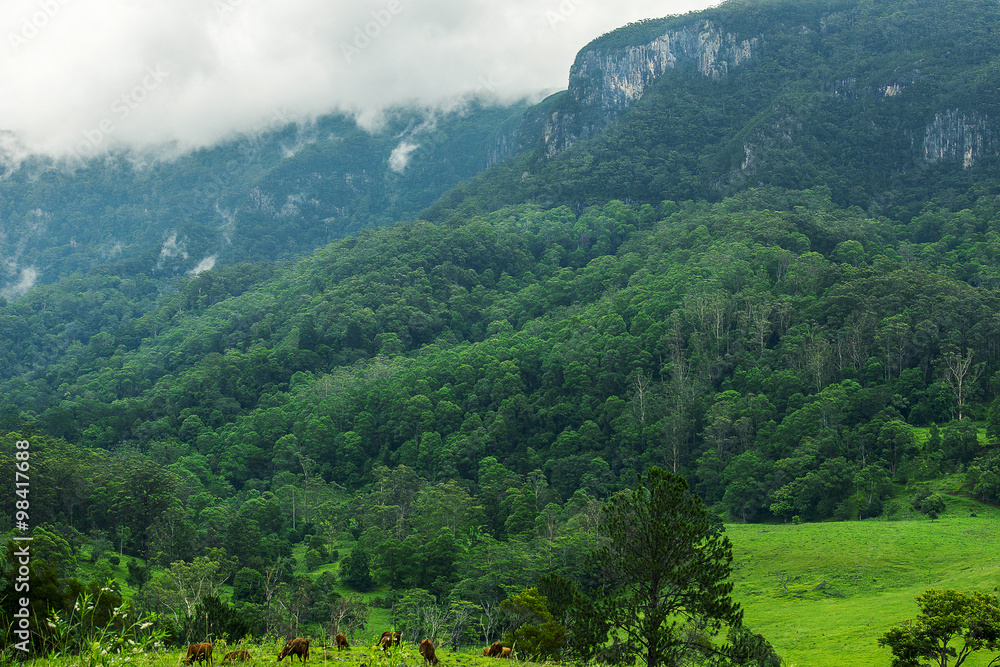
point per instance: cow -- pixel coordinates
(200, 652)
(295, 647)
(342, 641)
(236, 656)
(393, 637)
(427, 650)
(493, 650)
(505, 653)
(385, 641)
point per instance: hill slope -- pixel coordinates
(278, 193)
(451, 400)
(888, 104)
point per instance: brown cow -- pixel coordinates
(493, 650)
(237, 656)
(296, 647)
(427, 650)
(342, 641)
(505, 653)
(393, 637)
(200, 652)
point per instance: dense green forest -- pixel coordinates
(876, 101)
(279, 192)
(442, 407)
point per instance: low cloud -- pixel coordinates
(93, 75)
(171, 248)
(204, 265)
(400, 156)
(28, 278)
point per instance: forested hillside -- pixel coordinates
(758, 279)
(280, 192)
(877, 101)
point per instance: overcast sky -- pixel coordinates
(85, 75)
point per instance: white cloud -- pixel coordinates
(29, 276)
(204, 265)
(147, 72)
(400, 156)
(171, 248)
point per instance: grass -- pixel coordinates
(823, 593)
(265, 653)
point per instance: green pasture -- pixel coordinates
(822, 593)
(321, 652)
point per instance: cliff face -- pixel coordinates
(603, 83)
(955, 136)
(615, 79)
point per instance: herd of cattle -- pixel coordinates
(299, 647)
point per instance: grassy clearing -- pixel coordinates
(822, 593)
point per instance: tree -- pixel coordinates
(533, 628)
(960, 440)
(186, 585)
(419, 615)
(348, 614)
(946, 617)
(873, 484)
(248, 585)
(664, 564)
(960, 375)
(460, 613)
(356, 570)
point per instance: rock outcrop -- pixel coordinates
(604, 82)
(955, 136)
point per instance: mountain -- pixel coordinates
(756, 246)
(274, 194)
(767, 301)
(889, 104)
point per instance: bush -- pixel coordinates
(136, 574)
(314, 558)
(931, 504)
(103, 572)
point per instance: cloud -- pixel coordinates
(204, 265)
(171, 248)
(29, 276)
(89, 75)
(400, 156)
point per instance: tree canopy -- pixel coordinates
(951, 625)
(664, 571)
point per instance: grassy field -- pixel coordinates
(362, 652)
(822, 593)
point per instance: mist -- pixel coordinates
(80, 77)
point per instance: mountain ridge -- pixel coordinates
(875, 103)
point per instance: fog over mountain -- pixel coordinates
(83, 76)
